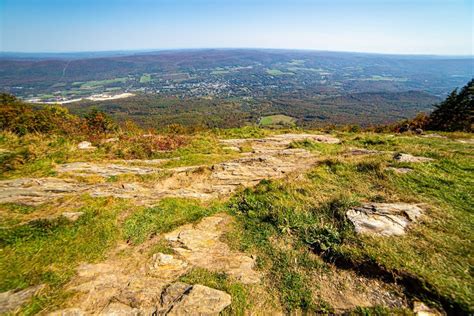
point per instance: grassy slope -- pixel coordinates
(310, 212)
(284, 222)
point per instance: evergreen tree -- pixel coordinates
(456, 113)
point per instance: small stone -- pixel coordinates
(72, 216)
(85, 145)
(111, 140)
(420, 309)
(232, 148)
(400, 170)
(409, 158)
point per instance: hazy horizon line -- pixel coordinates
(151, 50)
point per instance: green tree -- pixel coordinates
(456, 113)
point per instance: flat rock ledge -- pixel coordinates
(383, 219)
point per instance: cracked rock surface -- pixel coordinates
(137, 285)
(385, 219)
(271, 158)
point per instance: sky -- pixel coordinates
(441, 27)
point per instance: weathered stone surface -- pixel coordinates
(386, 219)
(68, 312)
(105, 170)
(200, 300)
(200, 245)
(166, 266)
(400, 170)
(120, 309)
(271, 159)
(136, 284)
(72, 216)
(173, 293)
(409, 158)
(111, 140)
(421, 309)
(85, 145)
(12, 300)
(37, 191)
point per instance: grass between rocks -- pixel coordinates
(294, 226)
(163, 217)
(220, 281)
(47, 251)
(308, 213)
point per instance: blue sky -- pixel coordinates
(385, 26)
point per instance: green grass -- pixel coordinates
(145, 78)
(273, 120)
(312, 212)
(99, 83)
(48, 251)
(166, 215)
(277, 72)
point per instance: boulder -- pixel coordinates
(385, 219)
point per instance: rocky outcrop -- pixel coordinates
(12, 300)
(138, 285)
(200, 245)
(385, 219)
(271, 159)
(37, 191)
(105, 170)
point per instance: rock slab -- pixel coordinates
(383, 219)
(12, 300)
(184, 299)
